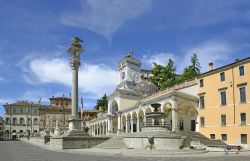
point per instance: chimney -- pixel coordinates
(236, 60)
(210, 66)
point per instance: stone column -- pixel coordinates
(131, 124)
(110, 125)
(126, 124)
(122, 125)
(137, 123)
(106, 127)
(144, 118)
(75, 51)
(119, 122)
(174, 115)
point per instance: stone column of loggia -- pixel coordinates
(174, 116)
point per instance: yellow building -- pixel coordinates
(224, 102)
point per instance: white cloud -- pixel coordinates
(218, 52)
(105, 17)
(94, 79)
(158, 58)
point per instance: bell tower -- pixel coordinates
(129, 72)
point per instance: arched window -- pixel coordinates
(7, 121)
(35, 121)
(21, 121)
(29, 121)
(14, 121)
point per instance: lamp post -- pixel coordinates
(75, 50)
(10, 133)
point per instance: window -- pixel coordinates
(222, 76)
(202, 102)
(212, 136)
(224, 137)
(202, 121)
(14, 110)
(66, 104)
(201, 83)
(243, 138)
(223, 120)
(21, 110)
(242, 94)
(243, 118)
(241, 70)
(223, 98)
(61, 104)
(35, 111)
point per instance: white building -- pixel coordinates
(131, 100)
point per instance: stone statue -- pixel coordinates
(75, 51)
(57, 131)
(151, 143)
(185, 142)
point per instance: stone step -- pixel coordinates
(115, 142)
(196, 136)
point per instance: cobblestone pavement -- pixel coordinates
(21, 151)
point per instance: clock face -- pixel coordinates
(123, 75)
(134, 76)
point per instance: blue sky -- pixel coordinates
(36, 34)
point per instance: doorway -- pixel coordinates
(193, 125)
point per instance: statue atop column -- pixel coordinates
(75, 50)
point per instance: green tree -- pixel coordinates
(164, 76)
(168, 75)
(102, 102)
(156, 77)
(193, 70)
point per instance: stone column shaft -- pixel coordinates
(138, 124)
(126, 125)
(174, 116)
(110, 124)
(131, 124)
(74, 94)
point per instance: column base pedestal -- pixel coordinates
(75, 128)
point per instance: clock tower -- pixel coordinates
(129, 71)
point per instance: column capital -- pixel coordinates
(75, 50)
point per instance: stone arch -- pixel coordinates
(187, 115)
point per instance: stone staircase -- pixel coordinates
(115, 142)
(199, 140)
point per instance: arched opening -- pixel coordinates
(187, 116)
(167, 108)
(114, 107)
(148, 121)
(114, 110)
